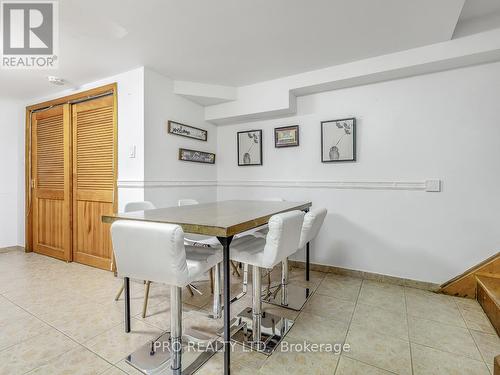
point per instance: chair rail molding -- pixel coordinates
(426, 185)
(140, 184)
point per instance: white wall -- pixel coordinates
(443, 125)
(167, 178)
(130, 87)
(145, 103)
(11, 128)
(12, 142)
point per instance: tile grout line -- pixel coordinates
(461, 355)
(321, 281)
(440, 321)
(50, 325)
(446, 352)
(387, 310)
(81, 345)
(408, 330)
(298, 315)
(350, 321)
(369, 364)
(470, 333)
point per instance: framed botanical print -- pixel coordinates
(338, 140)
(286, 136)
(249, 147)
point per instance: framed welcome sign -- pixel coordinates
(187, 131)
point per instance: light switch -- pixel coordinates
(131, 153)
(433, 185)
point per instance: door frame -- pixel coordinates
(83, 95)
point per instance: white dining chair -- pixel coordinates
(197, 239)
(282, 240)
(262, 230)
(201, 240)
(293, 296)
(256, 232)
(147, 205)
(131, 207)
(139, 206)
(156, 252)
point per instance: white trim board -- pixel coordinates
(426, 185)
(281, 93)
(138, 184)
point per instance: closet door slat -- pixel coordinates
(51, 174)
(94, 180)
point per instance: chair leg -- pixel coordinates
(211, 272)
(269, 281)
(217, 303)
(256, 305)
(119, 293)
(284, 282)
(307, 261)
(194, 288)
(245, 277)
(146, 297)
(176, 327)
(235, 269)
(126, 288)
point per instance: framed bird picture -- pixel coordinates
(249, 145)
(338, 140)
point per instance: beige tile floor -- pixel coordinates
(61, 318)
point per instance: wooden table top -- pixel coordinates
(223, 218)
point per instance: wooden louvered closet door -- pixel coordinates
(51, 182)
(94, 160)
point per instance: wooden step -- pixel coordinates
(488, 296)
(464, 285)
(489, 274)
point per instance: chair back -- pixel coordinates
(313, 220)
(187, 202)
(139, 206)
(283, 237)
(150, 251)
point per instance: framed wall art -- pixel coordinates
(249, 147)
(338, 140)
(286, 136)
(187, 131)
(196, 156)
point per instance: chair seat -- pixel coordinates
(261, 233)
(192, 239)
(250, 250)
(256, 232)
(200, 260)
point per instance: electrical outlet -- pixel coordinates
(433, 186)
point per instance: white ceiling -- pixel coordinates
(231, 42)
(479, 8)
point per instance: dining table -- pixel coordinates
(224, 220)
